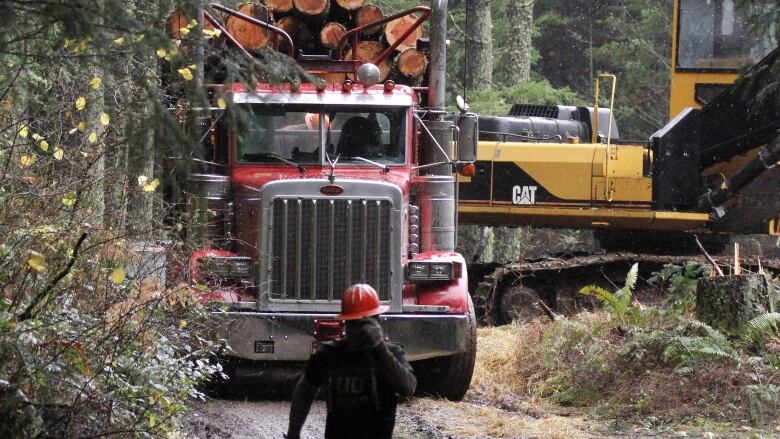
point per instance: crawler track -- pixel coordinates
(503, 292)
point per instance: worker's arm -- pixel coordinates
(396, 369)
(302, 398)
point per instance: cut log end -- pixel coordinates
(368, 51)
(279, 6)
(331, 34)
(369, 14)
(313, 8)
(411, 63)
(297, 30)
(395, 29)
(250, 36)
(351, 5)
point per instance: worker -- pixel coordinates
(363, 375)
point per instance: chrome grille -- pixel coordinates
(319, 247)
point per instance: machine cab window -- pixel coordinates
(721, 34)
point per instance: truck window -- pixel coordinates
(375, 135)
(263, 132)
(721, 35)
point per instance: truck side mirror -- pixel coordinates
(468, 132)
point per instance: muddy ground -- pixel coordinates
(263, 416)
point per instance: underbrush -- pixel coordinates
(630, 362)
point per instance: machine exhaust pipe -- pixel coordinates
(767, 158)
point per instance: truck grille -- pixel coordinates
(321, 246)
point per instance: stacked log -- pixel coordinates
(368, 51)
(249, 35)
(317, 27)
(366, 15)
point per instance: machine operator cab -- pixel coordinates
(714, 40)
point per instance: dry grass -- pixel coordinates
(496, 374)
(469, 419)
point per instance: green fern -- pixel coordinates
(618, 304)
(759, 328)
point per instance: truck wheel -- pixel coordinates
(450, 376)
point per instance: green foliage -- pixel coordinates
(679, 281)
(498, 100)
(758, 329)
(617, 304)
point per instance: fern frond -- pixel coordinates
(759, 327)
(631, 277)
(601, 294)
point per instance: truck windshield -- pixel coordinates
(722, 34)
(265, 132)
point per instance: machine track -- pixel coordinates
(503, 292)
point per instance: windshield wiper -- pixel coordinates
(385, 168)
(300, 167)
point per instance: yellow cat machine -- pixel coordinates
(707, 172)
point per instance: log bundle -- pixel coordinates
(318, 27)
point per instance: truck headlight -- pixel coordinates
(426, 271)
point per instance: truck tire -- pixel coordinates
(450, 377)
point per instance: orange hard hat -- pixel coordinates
(358, 301)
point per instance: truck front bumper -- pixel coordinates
(290, 336)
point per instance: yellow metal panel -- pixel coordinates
(637, 219)
(564, 170)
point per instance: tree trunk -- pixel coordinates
(520, 19)
(727, 303)
(479, 45)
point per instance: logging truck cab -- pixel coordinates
(322, 186)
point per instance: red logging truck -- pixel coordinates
(315, 187)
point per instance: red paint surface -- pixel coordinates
(453, 294)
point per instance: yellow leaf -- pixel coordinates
(192, 67)
(27, 160)
(152, 186)
(192, 23)
(162, 53)
(182, 324)
(70, 199)
(82, 126)
(186, 74)
(36, 136)
(140, 37)
(92, 137)
(23, 131)
(44, 145)
(68, 42)
(81, 47)
(105, 119)
(221, 103)
(118, 275)
(184, 31)
(36, 261)
(119, 41)
(58, 152)
(81, 103)
(95, 82)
